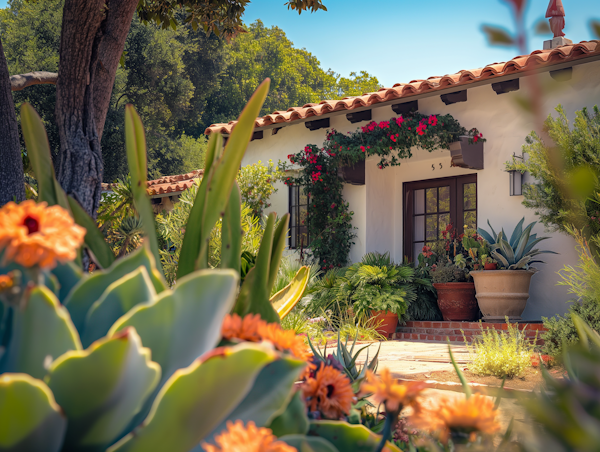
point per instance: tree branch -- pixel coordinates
(22, 81)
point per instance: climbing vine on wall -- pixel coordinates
(329, 219)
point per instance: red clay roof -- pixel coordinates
(518, 65)
(168, 184)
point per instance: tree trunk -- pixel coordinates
(92, 40)
(12, 182)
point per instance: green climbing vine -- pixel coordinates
(329, 219)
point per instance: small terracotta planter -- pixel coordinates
(388, 320)
(457, 301)
(491, 266)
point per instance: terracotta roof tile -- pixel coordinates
(521, 63)
(168, 184)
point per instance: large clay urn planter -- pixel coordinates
(502, 293)
(457, 301)
(388, 320)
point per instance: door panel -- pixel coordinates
(431, 205)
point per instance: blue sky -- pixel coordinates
(401, 40)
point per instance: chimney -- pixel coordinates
(556, 15)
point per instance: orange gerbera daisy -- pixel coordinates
(35, 234)
(6, 282)
(386, 389)
(459, 415)
(238, 438)
(246, 329)
(284, 340)
(329, 392)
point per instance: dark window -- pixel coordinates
(298, 218)
(430, 205)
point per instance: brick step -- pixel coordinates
(439, 331)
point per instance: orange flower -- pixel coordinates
(386, 389)
(35, 234)
(246, 329)
(329, 392)
(284, 340)
(238, 438)
(459, 415)
(6, 282)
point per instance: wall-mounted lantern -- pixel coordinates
(516, 179)
(516, 183)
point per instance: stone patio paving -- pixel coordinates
(407, 358)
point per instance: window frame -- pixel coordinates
(297, 228)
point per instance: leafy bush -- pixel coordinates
(579, 149)
(583, 281)
(256, 185)
(375, 288)
(171, 228)
(425, 307)
(500, 354)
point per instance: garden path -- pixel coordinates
(406, 358)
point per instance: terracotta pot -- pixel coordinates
(389, 322)
(491, 266)
(457, 301)
(503, 293)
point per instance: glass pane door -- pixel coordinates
(432, 205)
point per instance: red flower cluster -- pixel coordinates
(422, 127)
(433, 120)
(316, 177)
(369, 127)
(384, 125)
(399, 121)
(427, 251)
(477, 137)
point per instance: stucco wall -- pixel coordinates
(378, 204)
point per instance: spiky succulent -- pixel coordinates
(518, 252)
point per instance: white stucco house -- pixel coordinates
(484, 98)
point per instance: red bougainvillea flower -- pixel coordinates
(399, 121)
(35, 234)
(475, 138)
(362, 148)
(433, 120)
(329, 392)
(237, 438)
(333, 206)
(393, 138)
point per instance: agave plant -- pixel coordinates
(116, 361)
(518, 252)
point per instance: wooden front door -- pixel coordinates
(431, 205)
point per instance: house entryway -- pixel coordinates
(431, 205)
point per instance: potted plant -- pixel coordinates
(488, 263)
(504, 293)
(382, 292)
(450, 265)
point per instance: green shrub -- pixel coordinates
(425, 307)
(500, 354)
(579, 148)
(583, 281)
(171, 228)
(256, 185)
(562, 331)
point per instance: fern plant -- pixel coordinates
(383, 288)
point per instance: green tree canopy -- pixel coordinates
(179, 79)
